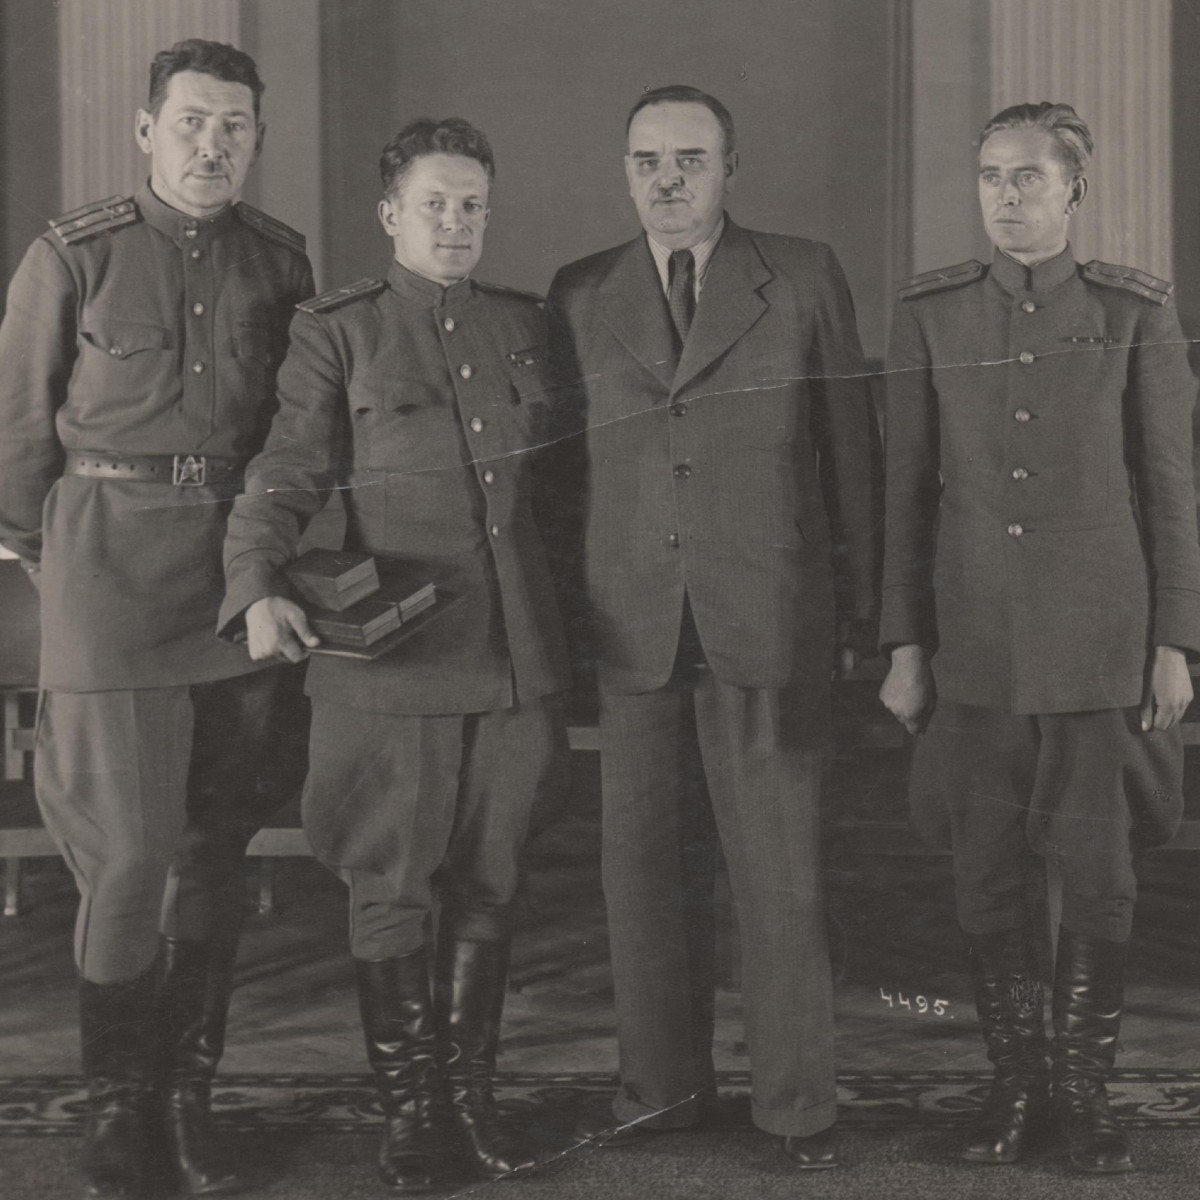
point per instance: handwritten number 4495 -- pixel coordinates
(922, 1005)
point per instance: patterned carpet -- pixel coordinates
(52, 1106)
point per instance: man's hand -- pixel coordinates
(908, 692)
(1168, 689)
(278, 629)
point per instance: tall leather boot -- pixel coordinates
(193, 1003)
(116, 1025)
(1009, 1002)
(469, 999)
(397, 1018)
(1089, 991)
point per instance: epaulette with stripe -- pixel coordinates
(942, 280)
(98, 217)
(269, 227)
(328, 301)
(501, 290)
(1149, 287)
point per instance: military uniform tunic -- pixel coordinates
(133, 329)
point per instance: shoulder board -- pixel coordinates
(500, 290)
(941, 281)
(269, 227)
(1149, 287)
(98, 217)
(328, 301)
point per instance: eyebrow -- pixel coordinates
(208, 112)
(996, 167)
(655, 153)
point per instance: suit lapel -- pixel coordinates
(729, 303)
(635, 309)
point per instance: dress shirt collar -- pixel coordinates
(416, 289)
(701, 253)
(179, 226)
(1016, 277)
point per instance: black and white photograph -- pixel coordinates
(599, 599)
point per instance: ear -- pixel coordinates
(387, 216)
(141, 130)
(1079, 189)
(262, 137)
(731, 170)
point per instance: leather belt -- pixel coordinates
(181, 470)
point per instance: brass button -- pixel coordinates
(1015, 530)
(197, 367)
(489, 476)
(189, 233)
(673, 540)
(682, 471)
(1022, 415)
(466, 370)
(198, 309)
(1028, 306)
(476, 424)
(1020, 473)
(197, 252)
(495, 531)
(448, 324)
(1025, 358)
(678, 409)
(115, 351)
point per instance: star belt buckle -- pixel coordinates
(189, 470)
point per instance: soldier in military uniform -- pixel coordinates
(420, 395)
(1042, 585)
(137, 365)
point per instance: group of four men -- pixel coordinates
(687, 420)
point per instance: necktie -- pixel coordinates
(681, 291)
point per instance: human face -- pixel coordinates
(678, 172)
(1026, 194)
(202, 142)
(437, 214)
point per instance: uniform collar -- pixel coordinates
(1016, 277)
(179, 226)
(416, 289)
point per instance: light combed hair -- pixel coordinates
(1068, 129)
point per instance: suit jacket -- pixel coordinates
(134, 329)
(738, 472)
(1041, 524)
(422, 405)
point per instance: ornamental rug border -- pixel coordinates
(53, 1105)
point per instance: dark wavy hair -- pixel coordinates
(452, 135)
(209, 58)
(680, 93)
(1071, 135)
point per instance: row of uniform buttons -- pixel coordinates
(476, 424)
(1022, 416)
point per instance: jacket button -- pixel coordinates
(1015, 530)
(197, 253)
(495, 531)
(673, 540)
(1028, 306)
(1019, 473)
(448, 324)
(198, 309)
(489, 476)
(682, 471)
(1022, 415)
(190, 233)
(678, 409)
(197, 367)
(115, 351)
(466, 370)
(1025, 358)
(476, 424)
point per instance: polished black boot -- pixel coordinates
(397, 1018)
(116, 1025)
(469, 998)
(193, 1003)
(1089, 991)
(1009, 1002)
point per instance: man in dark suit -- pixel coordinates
(727, 555)
(1042, 585)
(420, 396)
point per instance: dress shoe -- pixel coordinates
(814, 1153)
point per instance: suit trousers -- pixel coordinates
(152, 796)
(409, 810)
(1007, 792)
(750, 749)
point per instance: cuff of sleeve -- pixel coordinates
(907, 621)
(245, 587)
(1177, 619)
